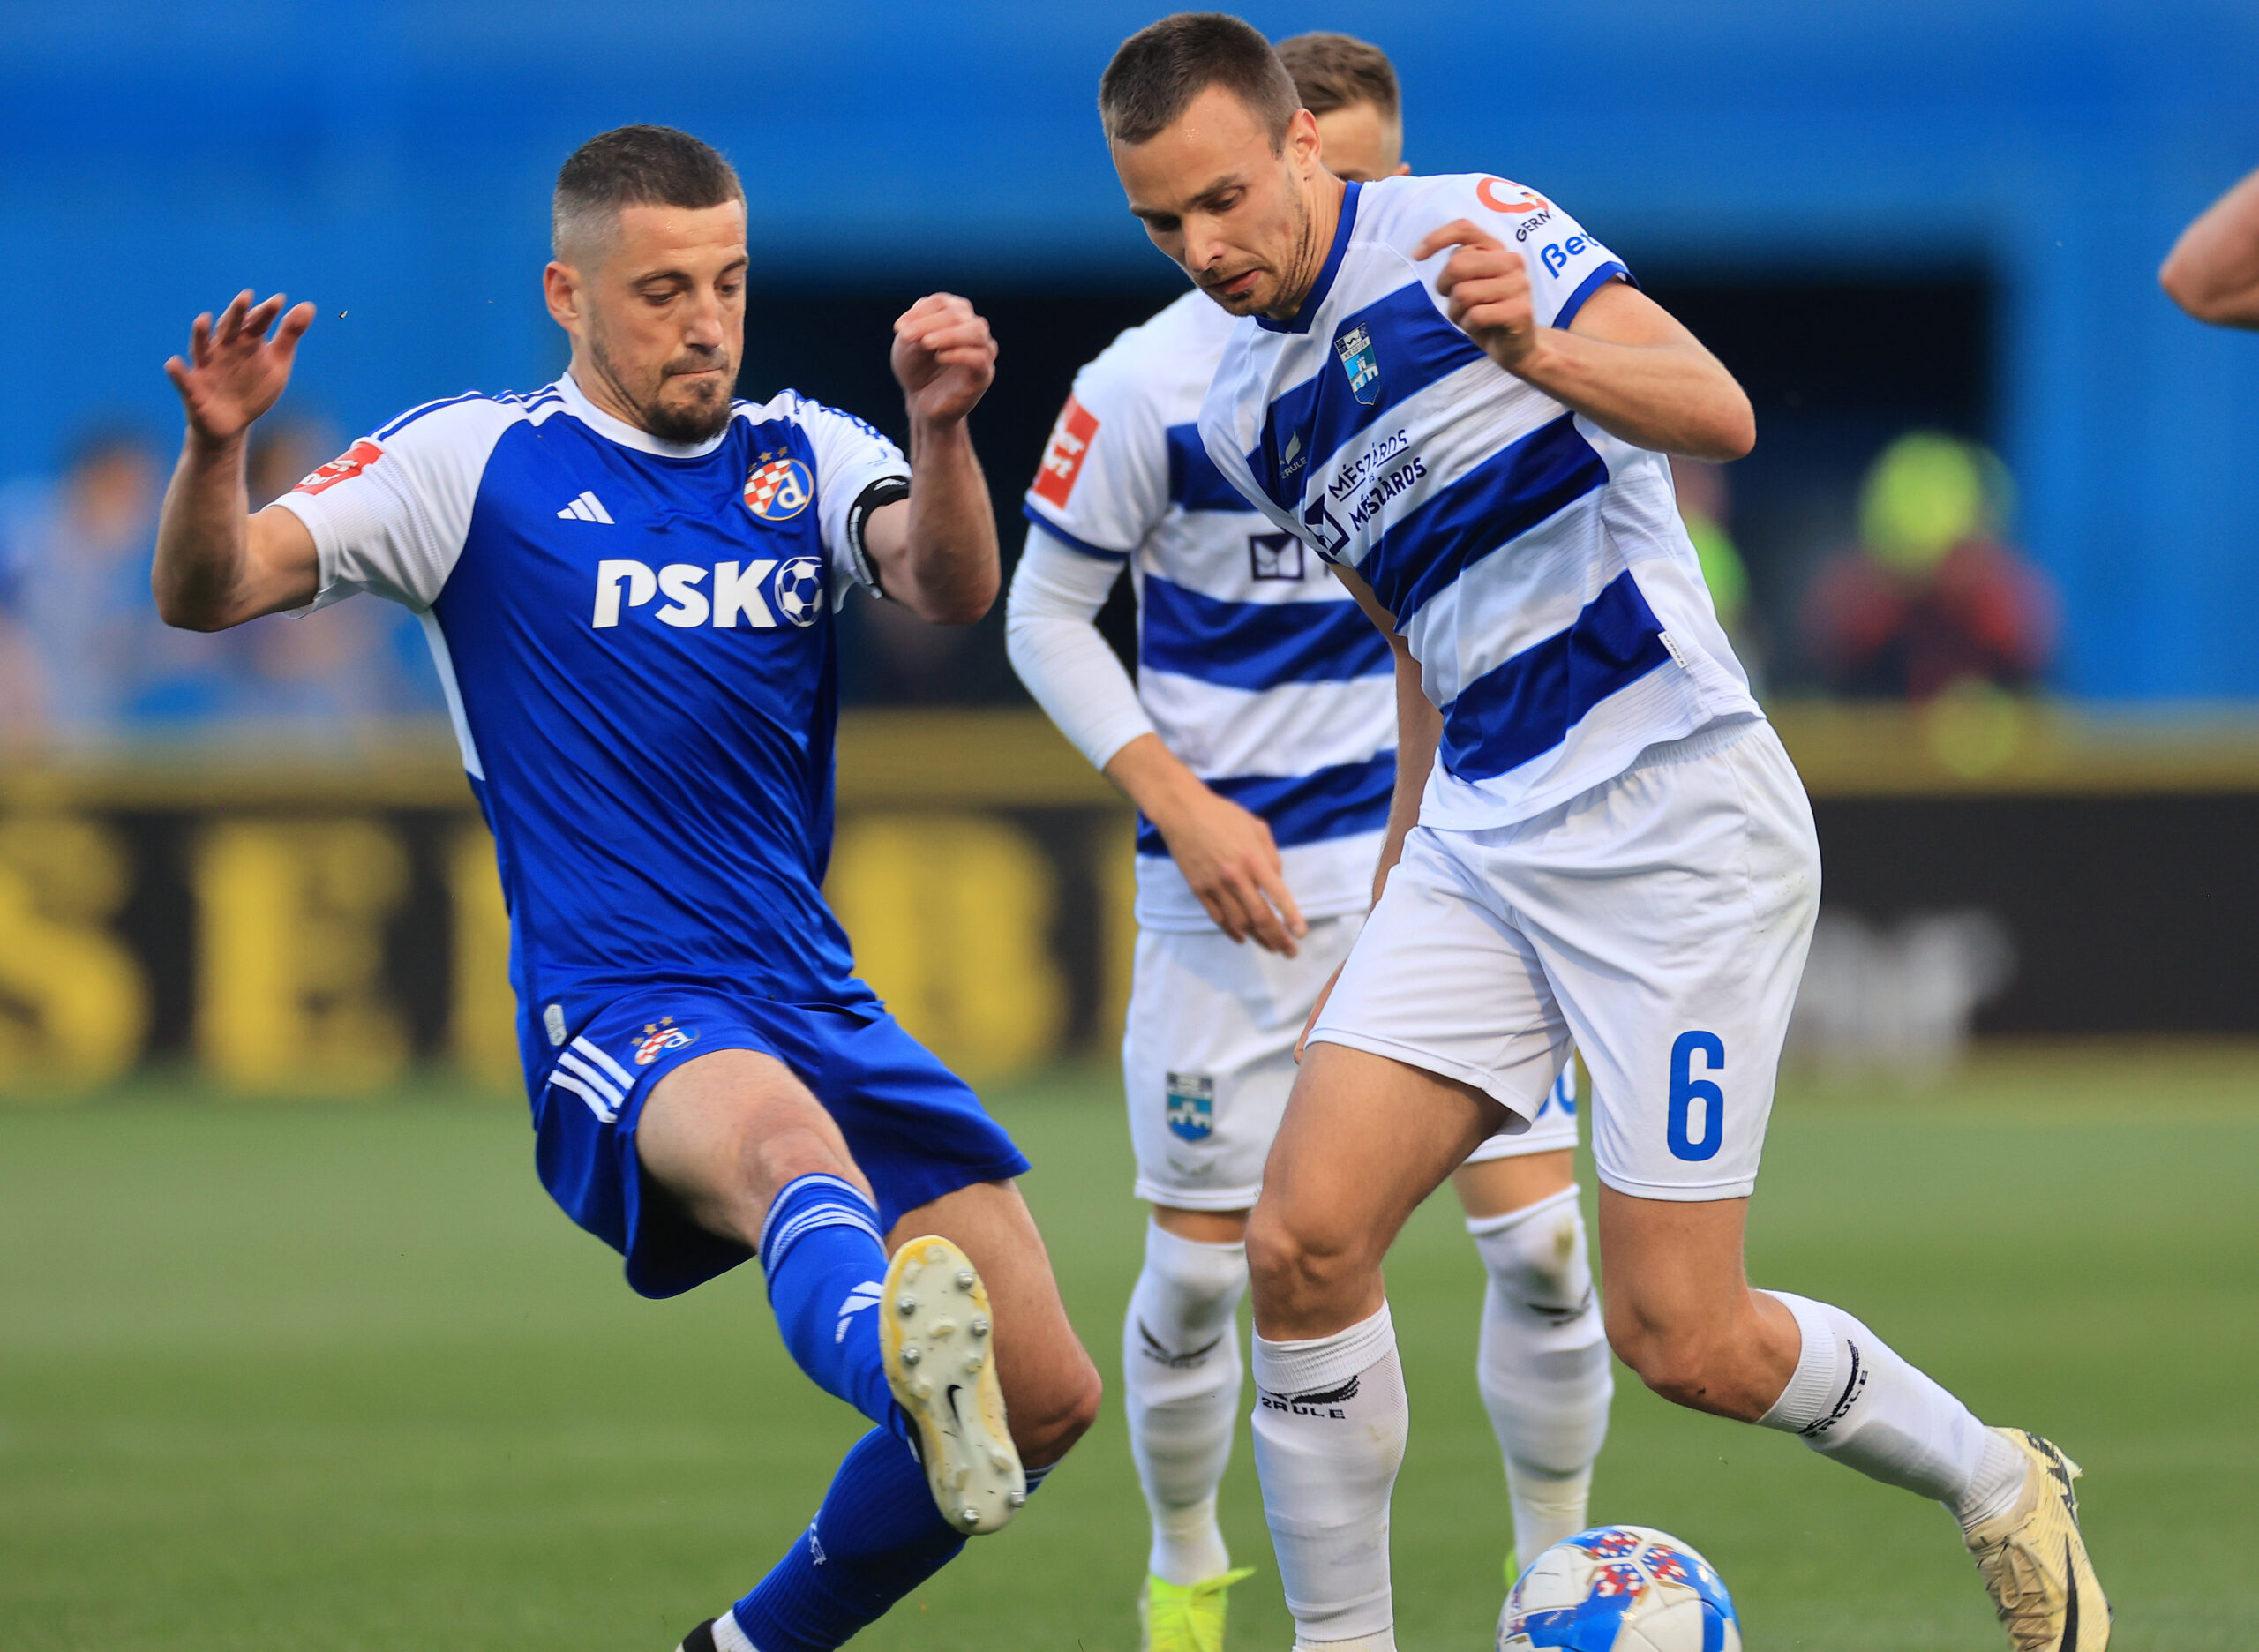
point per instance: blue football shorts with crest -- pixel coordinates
(914, 1128)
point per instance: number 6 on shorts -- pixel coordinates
(1687, 1089)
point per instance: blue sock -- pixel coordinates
(827, 1270)
(877, 1536)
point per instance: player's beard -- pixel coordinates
(688, 420)
(1300, 273)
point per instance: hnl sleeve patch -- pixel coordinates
(1062, 460)
(344, 468)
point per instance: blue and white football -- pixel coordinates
(1619, 1588)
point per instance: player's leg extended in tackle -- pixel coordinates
(998, 1379)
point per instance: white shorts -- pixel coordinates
(1208, 1059)
(1660, 920)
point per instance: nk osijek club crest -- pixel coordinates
(1360, 361)
(1191, 1106)
(778, 488)
(660, 1036)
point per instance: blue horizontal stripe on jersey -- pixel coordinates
(1587, 287)
(1257, 645)
(1194, 482)
(1068, 540)
(1416, 345)
(1315, 807)
(1505, 496)
(1526, 705)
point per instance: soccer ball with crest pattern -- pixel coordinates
(1619, 1588)
(799, 590)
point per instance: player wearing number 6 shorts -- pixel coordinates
(1258, 744)
(1454, 394)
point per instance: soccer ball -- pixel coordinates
(1619, 1588)
(799, 590)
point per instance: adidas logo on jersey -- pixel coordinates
(587, 507)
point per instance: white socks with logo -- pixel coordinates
(1329, 1423)
(1180, 1382)
(1543, 1364)
(1854, 1399)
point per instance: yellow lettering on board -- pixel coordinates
(950, 917)
(74, 1007)
(482, 1021)
(290, 963)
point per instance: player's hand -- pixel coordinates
(1488, 286)
(1227, 856)
(233, 371)
(1310, 1020)
(944, 357)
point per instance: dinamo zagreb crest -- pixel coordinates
(777, 489)
(659, 1037)
(1191, 1106)
(1360, 361)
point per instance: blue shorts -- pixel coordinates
(914, 1128)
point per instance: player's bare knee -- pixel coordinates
(1052, 1415)
(1295, 1267)
(798, 1149)
(1685, 1364)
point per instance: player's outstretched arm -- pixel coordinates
(1624, 362)
(2213, 270)
(935, 551)
(217, 564)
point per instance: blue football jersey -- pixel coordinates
(637, 643)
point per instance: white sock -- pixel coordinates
(1853, 1398)
(1180, 1379)
(1543, 1364)
(1330, 1423)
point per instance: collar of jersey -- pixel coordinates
(1301, 319)
(626, 435)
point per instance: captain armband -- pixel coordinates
(882, 493)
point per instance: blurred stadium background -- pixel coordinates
(1995, 558)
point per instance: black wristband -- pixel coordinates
(885, 491)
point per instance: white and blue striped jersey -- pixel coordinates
(1535, 564)
(636, 638)
(1257, 669)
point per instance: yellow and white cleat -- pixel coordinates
(2034, 1561)
(940, 1350)
(1185, 1617)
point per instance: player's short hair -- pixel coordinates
(1160, 69)
(634, 166)
(1336, 71)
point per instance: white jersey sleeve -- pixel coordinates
(1566, 264)
(851, 458)
(1104, 480)
(1051, 632)
(389, 514)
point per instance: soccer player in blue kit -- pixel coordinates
(628, 581)
(1454, 394)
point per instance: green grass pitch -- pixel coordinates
(337, 1377)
